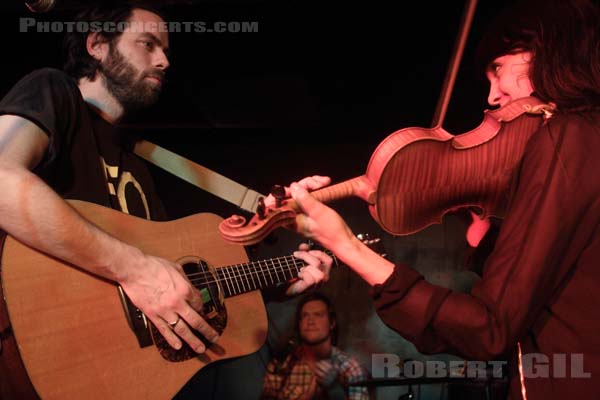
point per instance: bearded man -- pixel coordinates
(59, 139)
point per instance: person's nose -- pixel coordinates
(161, 61)
(495, 93)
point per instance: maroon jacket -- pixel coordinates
(541, 284)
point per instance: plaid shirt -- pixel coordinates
(292, 379)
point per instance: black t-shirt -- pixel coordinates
(87, 157)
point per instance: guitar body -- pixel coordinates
(71, 329)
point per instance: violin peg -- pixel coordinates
(261, 209)
(278, 192)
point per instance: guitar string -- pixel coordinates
(235, 277)
(270, 264)
(286, 259)
(259, 264)
(297, 265)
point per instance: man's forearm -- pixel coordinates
(34, 214)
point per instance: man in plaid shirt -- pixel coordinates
(315, 369)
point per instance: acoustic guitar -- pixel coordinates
(79, 336)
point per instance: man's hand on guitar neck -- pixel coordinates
(318, 266)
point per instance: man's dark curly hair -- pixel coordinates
(78, 62)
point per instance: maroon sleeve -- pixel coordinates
(552, 217)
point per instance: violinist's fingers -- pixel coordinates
(309, 183)
(317, 221)
(305, 201)
(314, 182)
(311, 209)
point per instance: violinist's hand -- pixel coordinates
(316, 271)
(477, 229)
(319, 222)
(309, 183)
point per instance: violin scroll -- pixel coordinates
(235, 230)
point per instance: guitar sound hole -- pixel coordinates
(213, 310)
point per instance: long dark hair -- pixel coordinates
(317, 296)
(564, 38)
(78, 63)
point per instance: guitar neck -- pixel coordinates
(255, 275)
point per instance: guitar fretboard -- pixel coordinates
(241, 278)
(246, 277)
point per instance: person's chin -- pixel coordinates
(314, 339)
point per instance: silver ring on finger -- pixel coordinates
(173, 324)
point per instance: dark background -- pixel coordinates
(312, 92)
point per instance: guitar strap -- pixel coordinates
(200, 176)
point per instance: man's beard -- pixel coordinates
(122, 81)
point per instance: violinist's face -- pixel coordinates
(509, 78)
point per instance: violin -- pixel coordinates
(417, 175)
